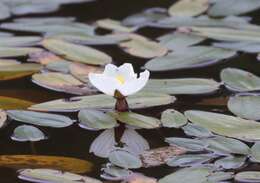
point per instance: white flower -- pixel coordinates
(122, 78)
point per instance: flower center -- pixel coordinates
(120, 79)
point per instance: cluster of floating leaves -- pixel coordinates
(60, 56)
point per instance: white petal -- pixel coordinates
(105, 84)
(134, 86)
(111, 70)
(135, 142)
(127, 71)
(104, 143)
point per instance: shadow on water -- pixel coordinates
(74, 141)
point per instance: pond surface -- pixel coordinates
(74, 141)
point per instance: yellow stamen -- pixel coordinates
(120, 79)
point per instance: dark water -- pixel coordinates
(74, 141)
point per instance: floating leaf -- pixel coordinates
(95, 119)
(233, 7)
(134, 142)
(245, 106)
(142, 47)
(3, 118)
(195, 175)
(60, 82)
(25, 133)
(8, 103)
(182, 86)
(76, 52)
(159, 156)
(239, 80)
(188, 144)
(19, 41)
(255, 152)
(50, 175)
(104, 143)
(140, 100)
(230, 162)
(41, 119)
(189, 57)
(17, 51)
(137, 120)
(188, 7)
(197, 131)
(220, 176)
(187, 160)
(59, 66)
(226, 125)
(223, 145)
(114, 25)
(178, 40)
(44, 57)
(125, 159)
(245, 46)
(173, 119)
(9, 72)
(38, 161)
(248, 176)
(227, 34)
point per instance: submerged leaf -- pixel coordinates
(41, 119)
(39, 161)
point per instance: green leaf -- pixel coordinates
(125, 159)
(226, 125)
(182, 86)
(140, 100)
(231, 162)
(25, 133)
(16, 41)
(196, 130)
(189, 57)
(173, 119)
(248, 176)
(50, 175)
(188, 7)
(17, 51)
(137, 120)
(240, 80)
(245, 106)
(95, 119)
(76, 52)
(187, 144)
(41, 119)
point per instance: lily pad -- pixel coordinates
(232, 7)
(226, 125)
(38, 161)
(25, 133)
(245, 46)
(50, 175)
(245, 106)
(125, 159)
(76, 52)
(196, 130)
(186, 143)
(114, 25)
(178, 40)
(9, 72)
(240, 80)
(95, 119)
(182, 86)
(8, 103)
(189, 160)
(41, 119)
(138, 120)
(248, 176)
(189, 57)
(140, 100)
(195, 175)
(188, 7)
(142, 47)
(173, 119)
(17, 51)
(231, 162)
(19, 41)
